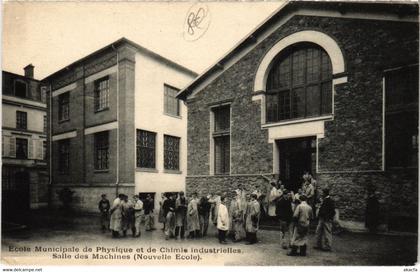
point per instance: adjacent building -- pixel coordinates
(117, 126)
(325, 87)
(24, 138)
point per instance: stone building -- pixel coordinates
(117, 126)
(325, 87)
(24, 137)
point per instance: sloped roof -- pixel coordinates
(400, 9)
(119, 42)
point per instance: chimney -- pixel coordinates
(29, 71)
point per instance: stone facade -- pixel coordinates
(350, 155)
(24, 178)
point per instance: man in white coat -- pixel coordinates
(116, 216)
(138, 212)
(222, 220)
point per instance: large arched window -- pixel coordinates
(299, 84)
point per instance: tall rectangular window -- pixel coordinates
(221, 139)
(102, 94)
(401, 117)
(21, 148)
(45, 123)
(171, 103)
(64, 156)
(21, 120)
(101, 150)
(44, 150)
(171, 152)
(146, 149)
(21, 89)
(64, 106)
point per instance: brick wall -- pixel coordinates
(86, 198)
(353, 140)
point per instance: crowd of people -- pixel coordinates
(237, 219)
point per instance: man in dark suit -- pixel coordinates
(325, 218)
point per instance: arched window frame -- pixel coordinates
(289, 79)
(324, 41)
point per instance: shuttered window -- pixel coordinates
(21, 148)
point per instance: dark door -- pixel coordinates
(297, 156)
(15, 192)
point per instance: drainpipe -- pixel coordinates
(50, 151)
(118, 124)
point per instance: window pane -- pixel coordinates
(21, 148)
(326, 68)
(221, 118)
(21, 120)
(272, 107)
(171, 103)
(63, 106)
(64, 156)
(222, 155)
(313, 103)
(284, 105)
(312, 63)
(301, 68)
(298, 67)
(102, 150)
(298, 103)
(146, 149)
(171, 152)
(326, 98)
(20, 89)
(102, 94)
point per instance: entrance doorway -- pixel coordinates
(297, 156)
(15, 192)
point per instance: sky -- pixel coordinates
(51, 35)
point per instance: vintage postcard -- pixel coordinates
(241, 133)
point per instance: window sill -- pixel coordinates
(63, 121)
(101, 110)
(149, 170)
(166, 171)
(297, 121)
(98, 171)
(173, 115)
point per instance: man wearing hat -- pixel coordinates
(325, 218)
(301, 216)
(252, 219)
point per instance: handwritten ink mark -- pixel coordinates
(195, 19)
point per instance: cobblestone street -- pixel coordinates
(348, 248)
